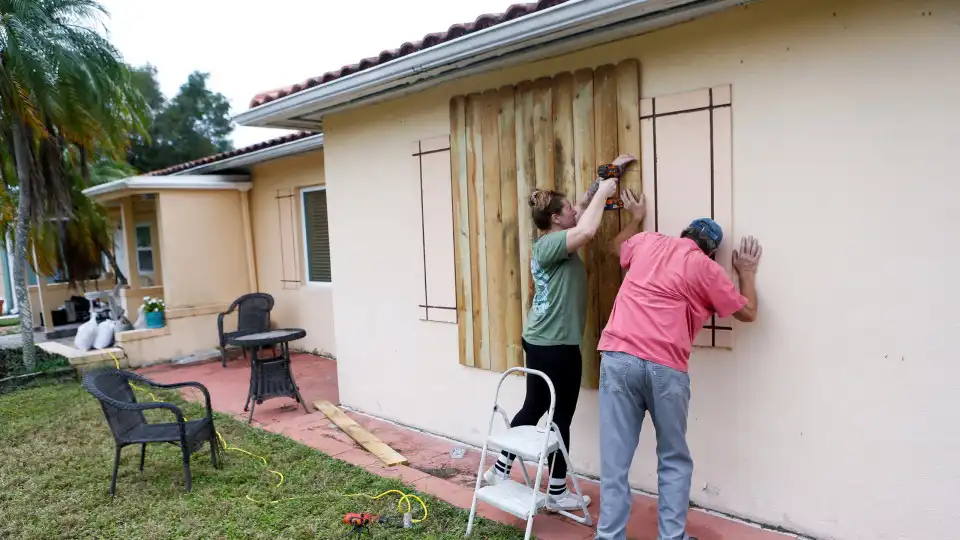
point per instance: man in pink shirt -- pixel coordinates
(671, 288)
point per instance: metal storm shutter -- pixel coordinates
(317, 236)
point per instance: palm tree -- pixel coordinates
(65, 95)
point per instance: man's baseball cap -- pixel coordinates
(708, 228)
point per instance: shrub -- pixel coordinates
(11, 362)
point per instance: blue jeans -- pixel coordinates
(629, 387)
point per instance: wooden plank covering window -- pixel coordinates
(550, 133)
(316, 234)
(432, 163)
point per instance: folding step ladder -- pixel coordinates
(531, 443)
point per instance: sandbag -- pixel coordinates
(105, 332)
(86, 334)
(141, 320)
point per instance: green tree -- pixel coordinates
(66, 96)
(194, 124)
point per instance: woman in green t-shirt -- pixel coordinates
(555, 323)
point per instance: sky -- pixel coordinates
(250, 46)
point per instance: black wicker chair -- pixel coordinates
(129, 426)
(254, 316)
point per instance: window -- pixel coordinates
(316, 235)
(431, 160)
(144, 249)
(550, 133)
(687, 168)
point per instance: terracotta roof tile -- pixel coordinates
(430, 40)
(232, 153)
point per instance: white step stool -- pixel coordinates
(531, 443)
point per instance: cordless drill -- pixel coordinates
(611, 171)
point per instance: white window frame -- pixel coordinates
(153, 254)
(303, 234)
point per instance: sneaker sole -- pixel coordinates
(555, 509)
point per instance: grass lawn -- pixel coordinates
(56, 455)
(9, 321)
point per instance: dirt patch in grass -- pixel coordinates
(441, 472)
(55, 464)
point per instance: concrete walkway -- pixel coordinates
(432, 469)
(14, 341)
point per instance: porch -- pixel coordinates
(187, 240)
(432, 469)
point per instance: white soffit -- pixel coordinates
(156, 183)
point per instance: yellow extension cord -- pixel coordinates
(403, 496)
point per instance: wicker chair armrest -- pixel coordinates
(138, 406)
(233, 307)
(192, 384)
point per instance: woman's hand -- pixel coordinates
(637, 206)
(607, 188)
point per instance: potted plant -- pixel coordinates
(153, 310)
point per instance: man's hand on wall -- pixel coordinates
(637, 206)
(623, 160)
(747, 258)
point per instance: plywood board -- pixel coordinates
(478, 259)
(628, 128)
(584, 130)
(605, 113)
(364, 438)
(526, 182)
(461, 229)
(543, 133)
(563, 150)
(509, 201)
(493, 232)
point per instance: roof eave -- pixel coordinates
(563, 28)
(133, 184)
(245, 160)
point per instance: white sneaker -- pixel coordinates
(493, 477)
(567, 502)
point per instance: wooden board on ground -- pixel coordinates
(375, 446)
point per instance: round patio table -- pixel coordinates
(270, 376)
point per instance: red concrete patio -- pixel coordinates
(431, 470)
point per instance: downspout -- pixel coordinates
(254, 282)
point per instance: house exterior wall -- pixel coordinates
(834, 414)
(202, 243)
(184, 334)
(279, 248)
(203, 248)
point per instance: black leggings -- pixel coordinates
(563, 365)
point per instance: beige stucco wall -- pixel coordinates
(835, 414)
(204, 250)
(300, 305)
(183, 335)
(203, 247)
